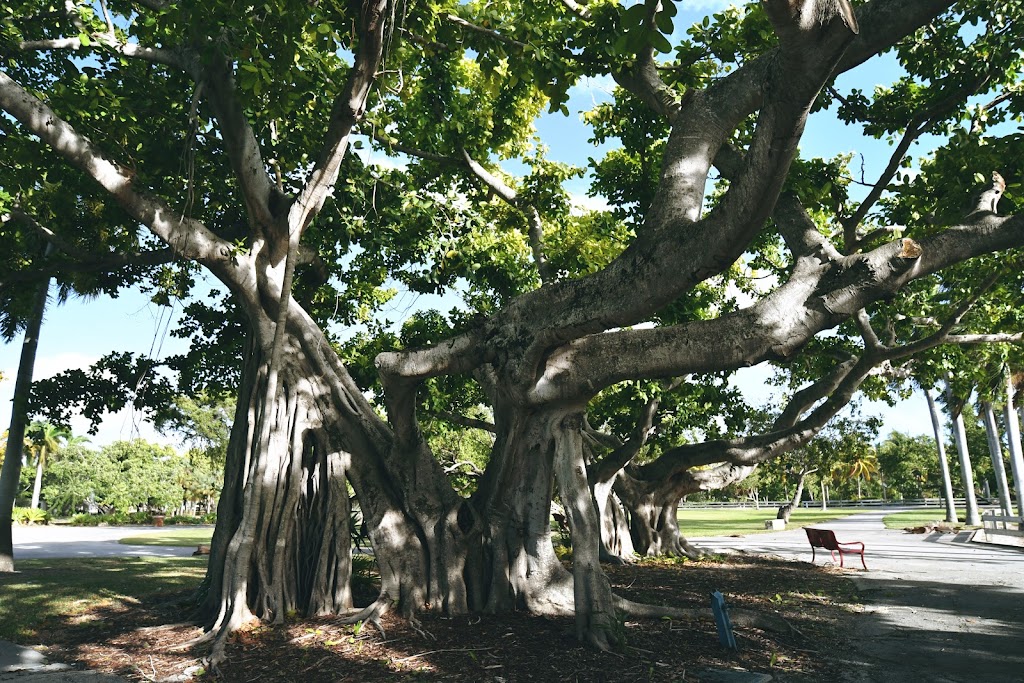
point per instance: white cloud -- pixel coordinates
(582, 203)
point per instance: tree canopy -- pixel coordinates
(150, 141)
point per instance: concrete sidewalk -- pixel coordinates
(937, 608)
(52, 541)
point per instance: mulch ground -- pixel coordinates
(509, 648)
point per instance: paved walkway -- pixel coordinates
(937, 608)
(35, 542)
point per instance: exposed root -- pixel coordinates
(372, 613)
(739, 617)
(415, 624)
(614, 560)
(201, 639)
(688, 550)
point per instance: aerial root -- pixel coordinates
(371, 613)
(739, 617)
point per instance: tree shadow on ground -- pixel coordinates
(928, 630)
(132, 640)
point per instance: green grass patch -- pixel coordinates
(172, 537)
(46, 595)
(743, 521)
(901, 520)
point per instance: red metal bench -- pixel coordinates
(826, 538)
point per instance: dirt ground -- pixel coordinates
(817, 601)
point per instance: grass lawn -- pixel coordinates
(743, 521)
(48, 595)
(184, 537)
(901, 520)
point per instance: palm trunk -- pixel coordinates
(1016, 452)
(10, 475)
(995, 450)
(37, 485)
(960, 436)
(947, 482)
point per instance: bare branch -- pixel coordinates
(578, 8)
(971, 339)
(867, 332)
(915, 128)
(490, 33)
(93, 263)
(1008, 93)
(56, 240)
(166, 56)
(464, 421)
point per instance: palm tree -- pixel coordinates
(862, 466)
(46, 438)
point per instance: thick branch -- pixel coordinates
(241, 145)
(816, 297)
(349, 107)
(188, 238)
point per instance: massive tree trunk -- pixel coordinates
(10, 475)
(282, 542)
(518, 560)
(653, 517)
(947, 482)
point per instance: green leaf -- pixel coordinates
(660, 43)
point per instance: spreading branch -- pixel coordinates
(187, 237)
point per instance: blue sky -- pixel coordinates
(79, 332)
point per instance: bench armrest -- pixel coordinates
(852, 543)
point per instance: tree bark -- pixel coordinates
(597, 622)
(995, 450)
(960, 436)
(947, 482)
(795, 502)
(10, 475)
(518, 562)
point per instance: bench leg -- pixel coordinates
(812, 554)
